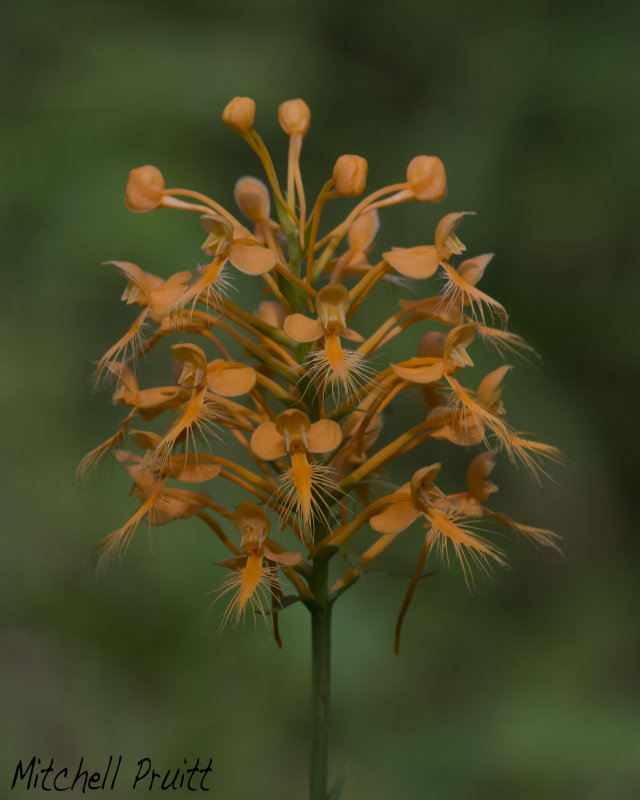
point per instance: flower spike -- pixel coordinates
(280, 377)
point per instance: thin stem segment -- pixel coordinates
(320, 609)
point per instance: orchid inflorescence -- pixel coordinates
(304, 396)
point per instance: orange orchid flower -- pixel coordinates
(254, 577)
(465, 424)
(480, 488)
(295, 434)
(460, 289)
(421, 498)
(147, 402)
(155, 295)
(200, 378)
(159, 504)
(422, 261)
(431, 366)
(226, 243)
(330, 361)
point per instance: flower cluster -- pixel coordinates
(287, 400)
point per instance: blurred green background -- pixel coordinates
(526, 687)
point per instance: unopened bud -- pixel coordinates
(350, 175)
(362, 232)
(252, 198)
(294, 117)
(272, 313)
(426, 178)
(145, 189)
(239, 114)
(431, 345)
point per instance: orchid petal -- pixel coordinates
(458, 339)
(351, 335)
(480, 468)
(473, 269)
(446, 241)
(489, 388)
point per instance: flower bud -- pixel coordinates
(350, 175)
(294, 117)
(239, 114)
(252, 198)
(432, 345)
(363, 230)
(145, 189)
(272, 313)
(426, 178)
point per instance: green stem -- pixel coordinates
(320, 676)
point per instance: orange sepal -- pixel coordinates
(420, 370)
(323, 436)
(146, 440)
(396, 517)
(457, 341)
(414, 262)
(189, 469)
(194, 363)
(267, 443)
(302, 329)
(478, 485)
(489, 388)
(473, 269)
(425, 475)
(252, 259)
(447, 243)
(229, 379)
(151, 402)
(137, 288)
(164, 297)
(174, 504)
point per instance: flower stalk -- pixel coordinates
(320, 610)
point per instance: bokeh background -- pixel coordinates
(526, 687)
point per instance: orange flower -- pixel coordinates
(155, 295)
(479, 489)
(294, 433)
(199, 410)
(159, 504)
(422, 261)
(431, 368)
(147, 402)
(421, 498)
(254, 577)
(330, 361)
(226, 243)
